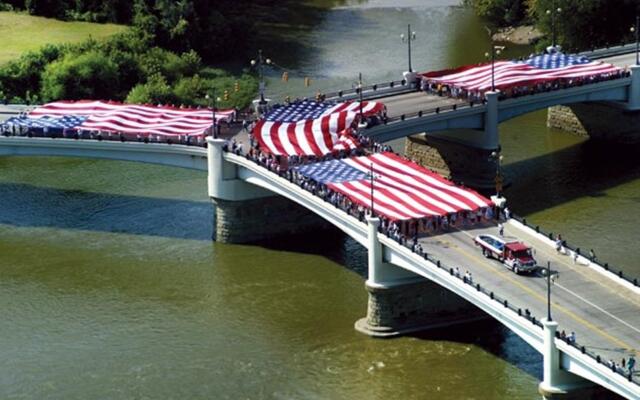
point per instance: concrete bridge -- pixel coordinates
(409, 291)
(446, 133)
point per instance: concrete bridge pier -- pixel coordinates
(560, 384)
(401, 302)
(246, 213)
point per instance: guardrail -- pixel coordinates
(612, 51)
(618, 272)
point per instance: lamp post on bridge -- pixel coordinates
(410, 36)
(373, 213)
(213, 100)
(549, 291)
(553, 12)
(636, 29)
(497, 157)
(260, 63)
(495, 50)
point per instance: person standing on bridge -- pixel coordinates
(631, 364)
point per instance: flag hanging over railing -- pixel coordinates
(402, 190)
(535, 69)
(125, 118)
(311, 128)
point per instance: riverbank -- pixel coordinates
(520, 35)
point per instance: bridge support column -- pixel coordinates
(491, 138)
(559, 384)
(246, 213)
(634, 89)
(374, 252)
(401, 302)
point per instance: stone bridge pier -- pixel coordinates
(463, 155)
(618, 122)
(401, 302)
(601, 121)
(246, 213)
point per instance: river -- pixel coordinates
(111, 287)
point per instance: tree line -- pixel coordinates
(580, 25)
(161, 58)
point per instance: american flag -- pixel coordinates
(130, 118)
(66, 122)
(536, 69)
(311, 128)
(402, 190)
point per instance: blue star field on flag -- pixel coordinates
(66, 122)
(298, 111)
(555, 60)
(334, 171)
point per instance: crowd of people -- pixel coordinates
(405, 232)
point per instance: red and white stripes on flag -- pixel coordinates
(135, 119)
(330, 131)
(509, 74)
(403, 190)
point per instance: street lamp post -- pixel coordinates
(260, 62)
(373, 213)
(212, 100)
(360, 96)
(553, 12)
(410, 36)
(549, 291)
(495, 50)
(497, 157)
(636, 29)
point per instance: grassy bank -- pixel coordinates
(22, 32)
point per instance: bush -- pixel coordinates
(89, 76)
(155, 90)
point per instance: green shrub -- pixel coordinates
(88, 76)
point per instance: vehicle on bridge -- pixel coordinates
(515, 255)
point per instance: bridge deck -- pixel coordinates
(413, 102)
(603, 314)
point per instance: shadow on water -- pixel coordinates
(31, 206)
(331, 243)
(494, 338)
(586, 169)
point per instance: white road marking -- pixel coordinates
(577, 295)
(597, 307)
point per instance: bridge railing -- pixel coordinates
(432, 111)
(615, 367)
(106, 136)
(610, 51)
(598, 263)
(374, 90)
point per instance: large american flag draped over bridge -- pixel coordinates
(402, 189)
(537, 69)
(126, 118)
(311, 128)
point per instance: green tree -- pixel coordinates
(500, 13)
(155, 90)
(91, 75)
(585, 24)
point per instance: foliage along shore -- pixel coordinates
(580, 25)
